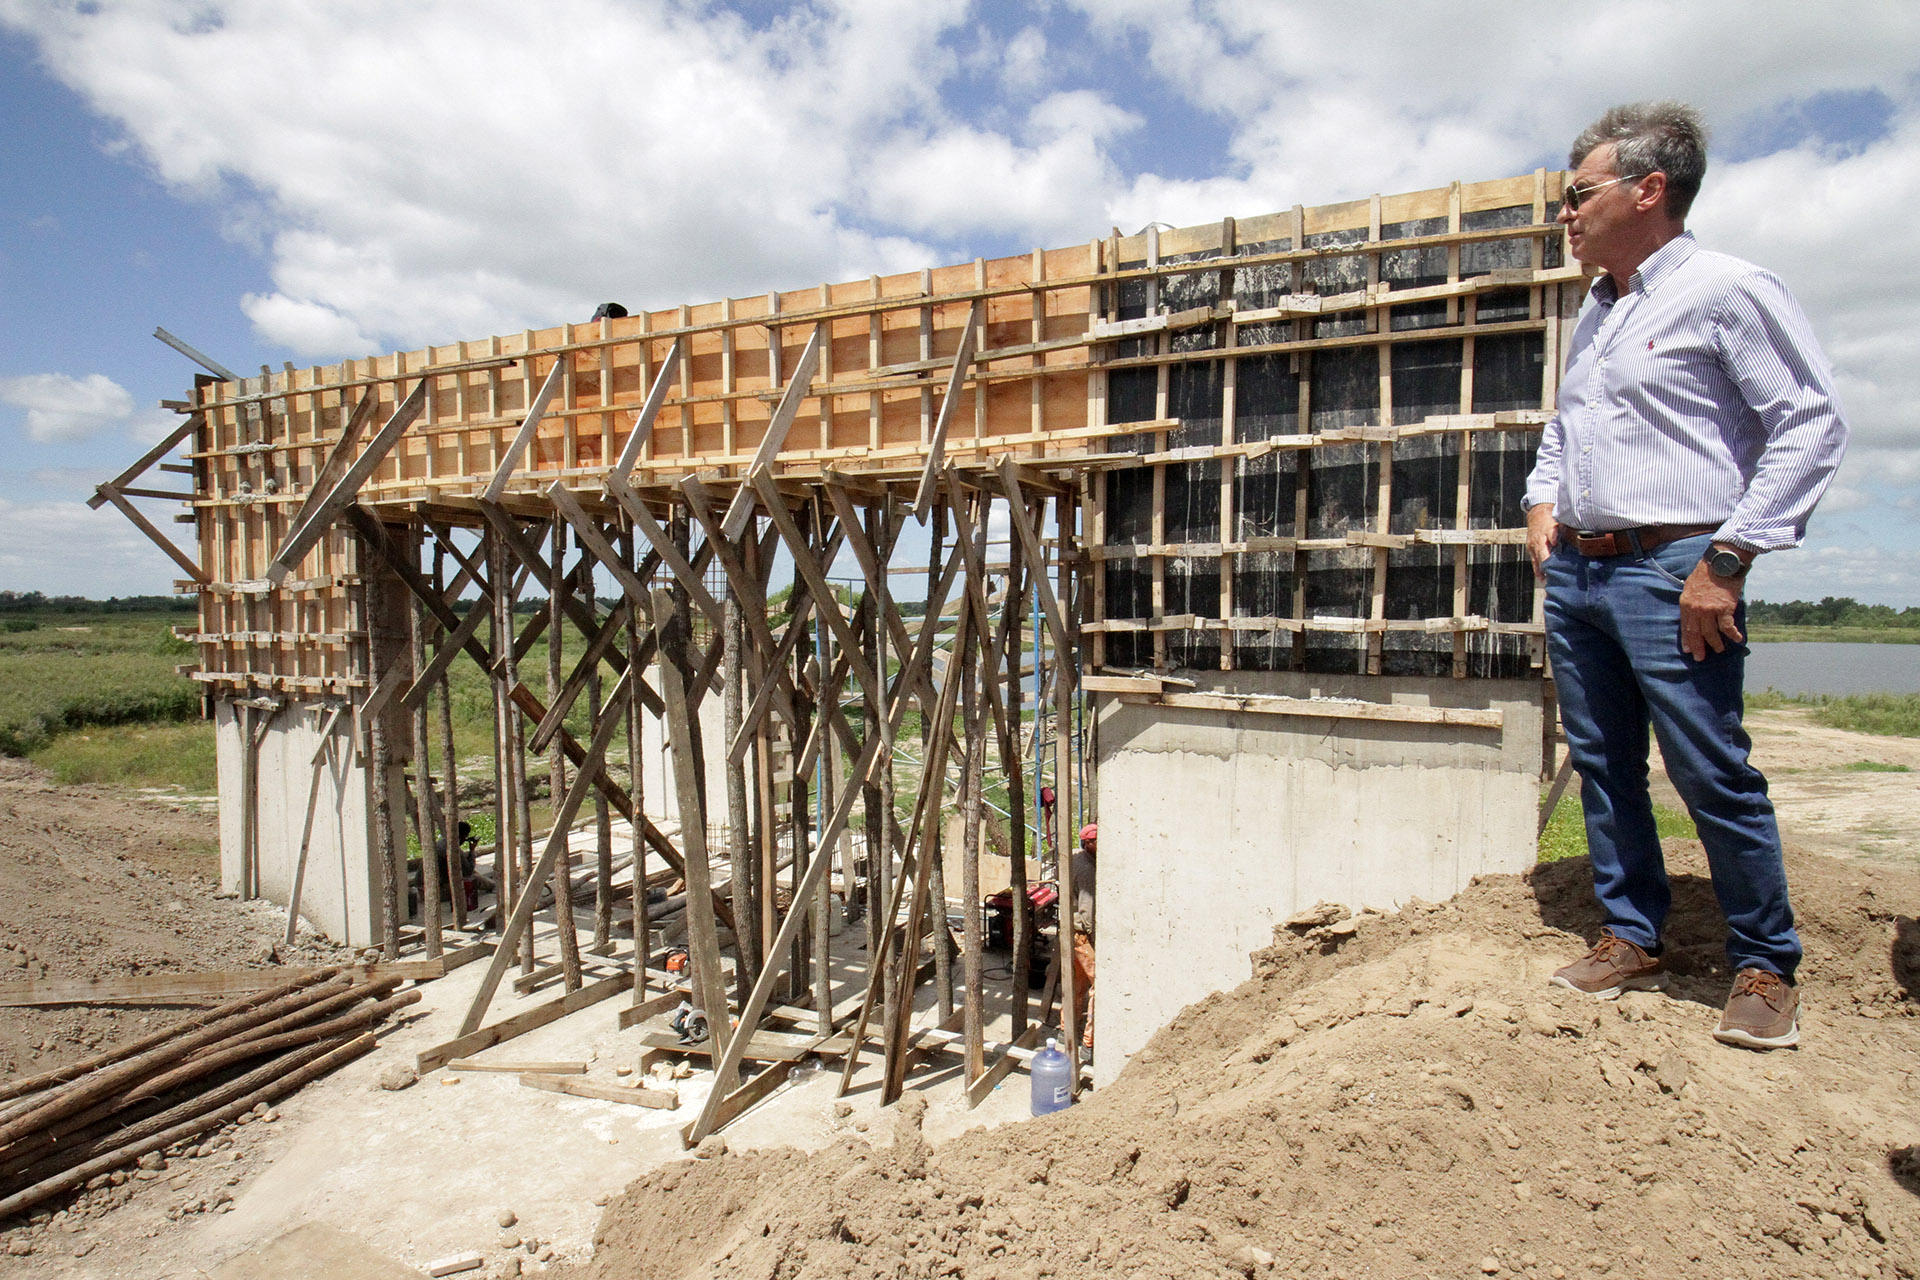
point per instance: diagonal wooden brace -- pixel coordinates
(329, 509)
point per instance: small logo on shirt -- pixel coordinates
(1649, 344)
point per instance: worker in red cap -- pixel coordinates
(1083, 869)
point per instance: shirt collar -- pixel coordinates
(1660, 264)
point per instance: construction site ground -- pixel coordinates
(1388, 1095)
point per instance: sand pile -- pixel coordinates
(1404, 1098)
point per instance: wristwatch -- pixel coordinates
(1724, 563)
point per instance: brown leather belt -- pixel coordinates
(1622, 542)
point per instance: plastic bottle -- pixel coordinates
(1052, 1075)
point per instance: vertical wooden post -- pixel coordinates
(642, 911)
(563, 921)
(450, 802)
(423, 797)
(974, 972)
(1012, 761)
(1065, 837)
(933, 858)
(603, 836)
(380, 764)
(746, 920)
(703, 944)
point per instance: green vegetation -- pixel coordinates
(1566, 833)
(1877, 766)
(146, 755)
(1893, 715)
(72, 670)
(1801, 620)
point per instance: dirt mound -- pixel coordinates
(1407, 1099)
(97, 884)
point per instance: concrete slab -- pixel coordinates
(315, 1251)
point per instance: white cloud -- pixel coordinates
(63, 410)
(63, 548)
(309, 328)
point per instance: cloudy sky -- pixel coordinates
(309, 179)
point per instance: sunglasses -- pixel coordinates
(1575, 196)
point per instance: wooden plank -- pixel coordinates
(521, 1023)
(741, 511)
(518, 924)
(159, 539)
(978, 1090)
(147, 459)
(733, 1105)
(703, 943)
(761, 1046)
(633, 1095)
(328, 509)
(937, 445)
(519, 1068)
(637, 1013)
(649, 410)
(162, 988)
(1328, 708)
(1122, 684)
(528, 426)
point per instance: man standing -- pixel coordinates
(1697, 427)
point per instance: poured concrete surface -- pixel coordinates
(314, 1252)
(1216, 826)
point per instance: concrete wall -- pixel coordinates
(340, 894)
(1215, 826)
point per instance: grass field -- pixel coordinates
(1776, 634)
(1893, 715)
(1566, 833)
(65, 671)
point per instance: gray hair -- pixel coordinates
(1652, 137)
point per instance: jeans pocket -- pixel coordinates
(1675, 560)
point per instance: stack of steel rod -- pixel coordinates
(64, 1127)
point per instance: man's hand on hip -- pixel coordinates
(1542, 533)
(1706, 611)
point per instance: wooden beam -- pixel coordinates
(703, 943)
(584, 779)
(191, 988)
(937, 445)
(528, 426)
(341, 496)
(776, 435)
(633, 1095)
(147, 459)
(521, 1023)
(159, 539)
(649, 410)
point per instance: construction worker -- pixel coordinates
(1083, 868)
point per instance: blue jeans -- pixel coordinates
(1613, 632)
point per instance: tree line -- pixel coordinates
(1830, 611)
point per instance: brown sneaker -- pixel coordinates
(1614, 965)
(1763, 1012)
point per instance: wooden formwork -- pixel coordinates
(1286, 441)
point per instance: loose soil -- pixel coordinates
(1398, 1095)
(97, 883)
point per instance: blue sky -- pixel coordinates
(303, 181)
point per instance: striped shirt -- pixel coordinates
(1700, 397)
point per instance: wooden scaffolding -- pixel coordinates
(1287, 442)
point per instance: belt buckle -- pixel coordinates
(1596, 542)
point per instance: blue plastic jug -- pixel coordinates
(1052, 1074)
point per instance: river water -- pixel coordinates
(1822, 667)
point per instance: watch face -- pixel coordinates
(1726, 564)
